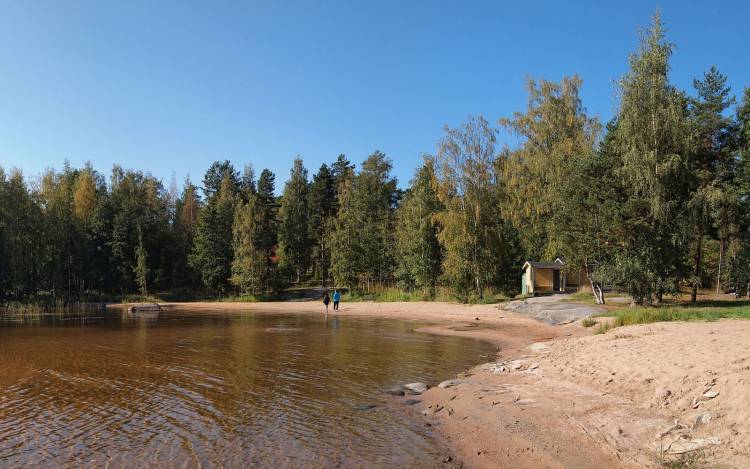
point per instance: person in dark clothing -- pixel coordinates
(326, 301)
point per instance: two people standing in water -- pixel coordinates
(336, 300)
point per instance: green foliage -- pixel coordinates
(658, 201)
(418, 252)
(213, 252)
(471, 228)
(322, 212)
(362, 241)
(556, 132)
(250, 264)
(651, 139)
(294, 236)
(141, 267)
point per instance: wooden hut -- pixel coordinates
(549, 277)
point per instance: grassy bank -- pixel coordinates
(394, 295)
(702, 311)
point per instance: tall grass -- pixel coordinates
(707, 311)
(35, 310)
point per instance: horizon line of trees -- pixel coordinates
(655, 201)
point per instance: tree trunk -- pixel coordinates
(596, 287)
(721, 260)
(698, 258)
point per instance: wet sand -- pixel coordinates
(558, 396)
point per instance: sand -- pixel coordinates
(558, 396)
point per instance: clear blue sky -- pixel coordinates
(172, 86)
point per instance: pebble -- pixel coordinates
(412, 401)
(710, 394)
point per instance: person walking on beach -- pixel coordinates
(336, 299)
(326, 301)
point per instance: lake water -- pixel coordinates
(182, 389)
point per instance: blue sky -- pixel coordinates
(169, 87)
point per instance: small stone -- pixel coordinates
(534, 366)
(710, 394)
(365, 407)
(449, 383)
(396, 391)
(447, 459)
(412, 401)
(696, 403)
(702, 419)
(416, 388)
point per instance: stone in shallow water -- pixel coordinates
(416, 388)
(396, 391)
(365, 407)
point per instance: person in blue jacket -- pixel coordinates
(336, 299)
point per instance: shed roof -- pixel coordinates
(544, 265)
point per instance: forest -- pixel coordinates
(655, 201)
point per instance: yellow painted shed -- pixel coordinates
(548, 277)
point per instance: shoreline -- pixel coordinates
(509, 332)
(559, 396)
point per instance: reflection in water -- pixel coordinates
(186, 389)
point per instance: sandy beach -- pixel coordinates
(558, 396)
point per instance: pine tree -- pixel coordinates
(711, 169)
(186, 220)
(212, 252)
(362, 241)
(418, 252)
(322, 209)
(250, 264)
(267, 225)
(293, 234)
(341, 170)
(220, 173)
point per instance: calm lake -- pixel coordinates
(182, 389)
